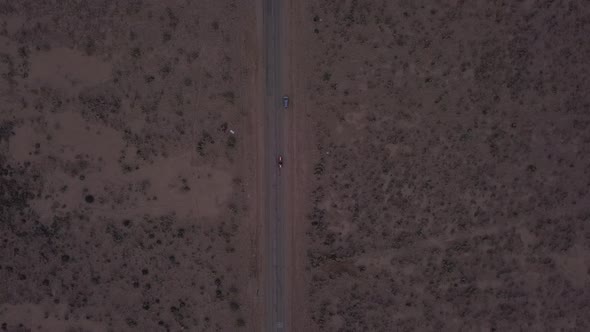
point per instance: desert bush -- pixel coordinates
(229, 96)
(231, 141)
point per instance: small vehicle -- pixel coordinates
(280, 162)
(285, 101)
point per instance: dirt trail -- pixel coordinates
(300, 143)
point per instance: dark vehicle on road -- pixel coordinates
(285, 101)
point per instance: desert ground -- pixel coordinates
(443, 169)
(128, 181)
(437, 169)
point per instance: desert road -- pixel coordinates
(274, 188)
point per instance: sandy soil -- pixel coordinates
(443, 167)
(126, 203)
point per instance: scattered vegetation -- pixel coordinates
(432, 198)
(83, 210)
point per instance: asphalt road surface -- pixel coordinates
(274, 146)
